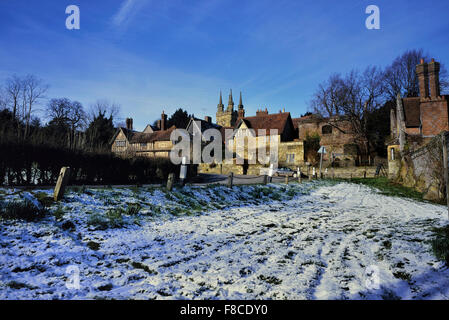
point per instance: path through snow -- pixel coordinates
(319, 245)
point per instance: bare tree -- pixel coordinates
(58, 110)
(3, 99)
(328, 99)
(401, 77)
(14, 90)
(67, 114)
(33, 90)
(352, 98)
(105, 108)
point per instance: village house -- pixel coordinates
(152, 142)
(416, 120)
(290, 137)
(290, 148)
(335, 135)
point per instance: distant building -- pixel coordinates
(153, 142)
(290, 148)
(335, 134)
(416, 120)
(228, 117)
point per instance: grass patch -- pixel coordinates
(58, 213)
(440, 244)
(133, 209)
(112, 219)
(145, 268)
(270, 279)
(44, 199)
(387, 187)
(21, 210)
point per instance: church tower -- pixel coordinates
(229, 117)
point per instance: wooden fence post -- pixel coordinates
(299, 177)
(230, 180)
(170, 181)
(286, 179)
(265, 179)
(62, 182)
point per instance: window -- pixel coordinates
(143, 145)
(120, 143)
(290, 158)
(392, 152)
(326, 129)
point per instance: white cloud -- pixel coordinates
(127, 11)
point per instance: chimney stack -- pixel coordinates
(434, 78)
(423, 78)
(129, 123)
(208, 119)
(163, 120)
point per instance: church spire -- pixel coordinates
(240, 102)
(231, 102)
(220, 105)
(241, 110)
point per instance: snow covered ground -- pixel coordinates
(312, 241)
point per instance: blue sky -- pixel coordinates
(150, 55)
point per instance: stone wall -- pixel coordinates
(422, 169)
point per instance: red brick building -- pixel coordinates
(415, 121)
(426, 115)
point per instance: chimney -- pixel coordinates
(261, 112)
(129, 123)
(434, 78)
(163, 121)
(423, 78)
(208, 119)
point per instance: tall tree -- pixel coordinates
(180, 119)
(66, 117)
(100, 131)
(3, 99)
(400, 76)
(354, 96)
(33, 90)
(106, 108)
(14, 89)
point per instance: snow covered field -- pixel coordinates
(311, 241)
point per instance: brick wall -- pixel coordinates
(434, 116)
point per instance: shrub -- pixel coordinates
(98, 221)
(21, 210)
(115, 218)
(44, 199)
(58, 213)
(440, 244)
(133, 209)
(41, 164)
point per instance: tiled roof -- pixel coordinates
(267, 121)
(140, 137)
